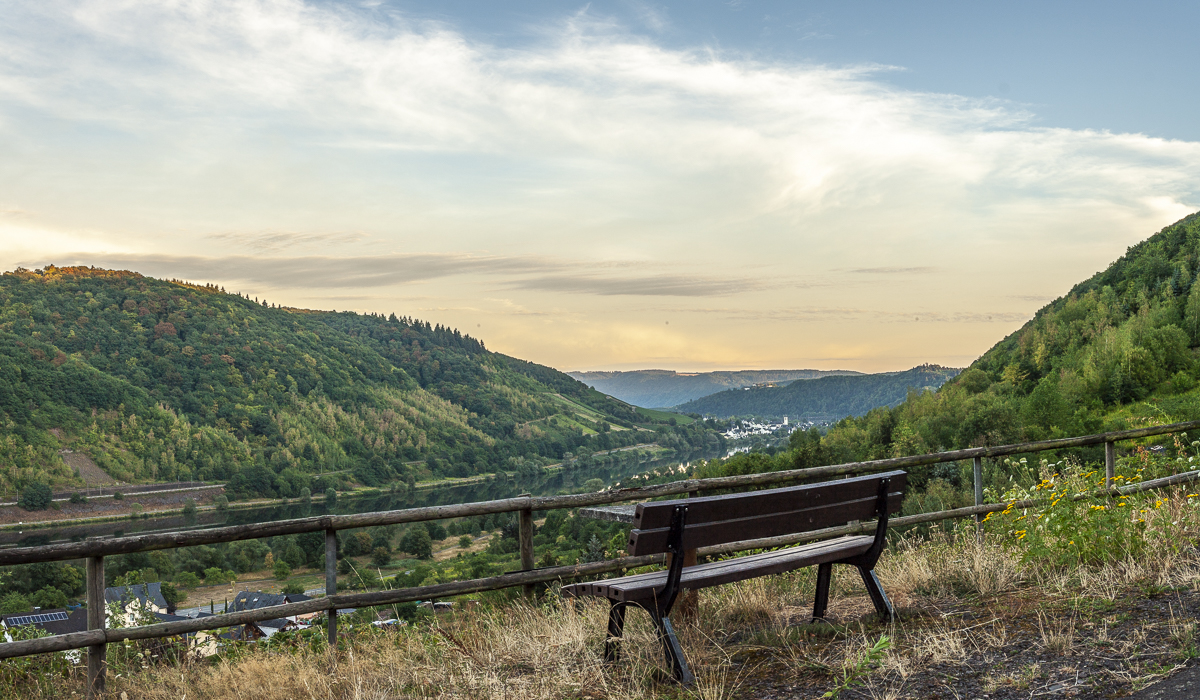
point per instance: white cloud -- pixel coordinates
(144, 129)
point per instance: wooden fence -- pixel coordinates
(97, 636)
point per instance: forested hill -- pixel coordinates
(825, 398)
(162, 380)
(1118, 350)
(661, 388)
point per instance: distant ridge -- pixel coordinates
(657, 388)
(827, 398)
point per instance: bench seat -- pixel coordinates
(640, 588)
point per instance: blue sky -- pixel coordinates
(608, 185)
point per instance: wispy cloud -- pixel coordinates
(893, 270)
(386, 270)
(337, 146)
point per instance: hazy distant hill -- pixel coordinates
(826, 397)
(655, 388)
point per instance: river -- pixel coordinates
(559, 481)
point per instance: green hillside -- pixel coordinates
(162, 380)
(1118, 350)
(824, 398)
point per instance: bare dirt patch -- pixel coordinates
(87, 470)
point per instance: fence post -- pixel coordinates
(525, 527)
(97, 653)
(1110, 464)
(978, 472)
(331, 582)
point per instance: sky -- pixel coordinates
(609, 185)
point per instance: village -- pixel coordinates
(144, 604)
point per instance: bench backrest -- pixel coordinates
(713, 520)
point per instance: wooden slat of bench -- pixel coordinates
(776, 523)
(848, 542)
(657, 514)
(642, 587)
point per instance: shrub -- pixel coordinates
(14, 603)
(36, 496)
(1075, 526)
(381, 557)
(282, 570)
(436, 531)
(187, 579)
(330, 497)
(78, 498)
(464, 542)
(189, 506)
(118, 496)
(214, 576)
(416, 541)
(292, 588)
(222, 503)
(306, 494)
(49, 597)
(170, 594)
(357, 544)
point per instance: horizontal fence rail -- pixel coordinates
(97, 636)
(234, 533)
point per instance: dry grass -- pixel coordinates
(960, 600)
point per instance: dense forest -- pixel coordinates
(823, 398)
(165, 380)
(1119, 350)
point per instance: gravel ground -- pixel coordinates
(1021, 645)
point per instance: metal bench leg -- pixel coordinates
(616, 627)
(882, 605)
(674, 653)
(824, 571)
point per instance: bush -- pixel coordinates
(49, 597)
(357, 544)
(465, 541)
(1076, 527)
(436, 531)
(118, 496)
(189, 506)
(36, 496)
(330, 497)
(292, 588)
(14, 603)
(187, 579)
(381, 557)
(344, 567)
(78, 498)
(215, 576)
(417, 542)
(170, 594)
(282, 570)
(222, 503)
(306, 494)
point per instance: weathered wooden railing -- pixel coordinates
(97, 636)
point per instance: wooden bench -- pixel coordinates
(676, 526)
